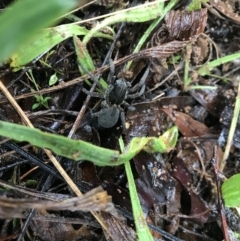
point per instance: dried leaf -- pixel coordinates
(164, 50)
(183, 25)
(148, 120)
(119, 230)
(187, 125)
(49, 231)
(214, 100)
(228, 8)
(198, 208)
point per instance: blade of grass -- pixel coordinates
(84, 59)
(232, 129)
(187, 79)
(205, 69)
(25, 18)
(140, 222)
(80, 150)
(137, 14)
(46, 39)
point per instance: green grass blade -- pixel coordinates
(80, 150)
(76, 150)
(138, 14)
(232, 130)
(25, 18)
(141, 225)
(140, 222)
(44, 40)
(84, 59)
(205, 69)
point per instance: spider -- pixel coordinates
(115, 96)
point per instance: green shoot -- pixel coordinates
(232, 129)
(196, 5)
(187, 79)
(175, 59)
(206, 68)
(85, 60)
(141, 225)
(40, 101)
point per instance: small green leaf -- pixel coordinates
(53, 79)
(35, 106)
(15, 222)
(38, 98)
(45, 102)
(175, 59)
(231, 191)
(46, 99)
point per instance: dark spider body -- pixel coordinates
(114, 96)
(108, 117)
(117, 92)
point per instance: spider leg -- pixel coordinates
(142, 80)
(104, 104)
(96, 114)
(129, 107)
(125, 104)
(111, 72)
(123, 120)
(132, 96)
(93, 94)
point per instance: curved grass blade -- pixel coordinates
(76, 150)
(137, 14)
(206, 68)
(46, 39)
(80, 150)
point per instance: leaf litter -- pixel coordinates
(177, 190)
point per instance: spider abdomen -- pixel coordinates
(108, 117)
